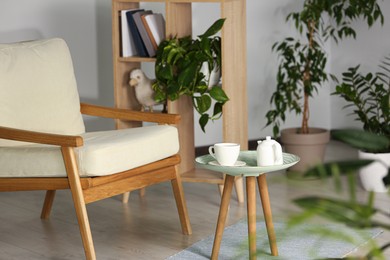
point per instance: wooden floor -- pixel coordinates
(147, 227)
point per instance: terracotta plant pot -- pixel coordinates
(372, 175)
(309, 147)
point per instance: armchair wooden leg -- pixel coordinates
(47, 204)
(78, 201)
(125, 198)
(181, 204)
(126, 195)
(142, 192)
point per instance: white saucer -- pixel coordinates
(238, 163)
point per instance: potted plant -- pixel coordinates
(369, 95)
(178, 69)
(302, 68)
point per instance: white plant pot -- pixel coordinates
(371, 176)
(213, 77)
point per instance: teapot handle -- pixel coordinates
(278, 153)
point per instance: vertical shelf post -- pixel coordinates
(179, 24)
(235, 111)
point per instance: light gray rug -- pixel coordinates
(298, 242)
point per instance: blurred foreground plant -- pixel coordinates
(349, 211)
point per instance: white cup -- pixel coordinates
(226, 154)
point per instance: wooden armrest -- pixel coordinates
(40, 138)
(129, 115)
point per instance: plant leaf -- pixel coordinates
(352, 214)
(362, 139)
(214, 28)
(218, 94)
(202, 103)
(343, 167)
(203, 121)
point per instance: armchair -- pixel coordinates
(44, 146)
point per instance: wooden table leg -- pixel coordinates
(227, 193)
(239, 186)
(251, 212)
(264, 196)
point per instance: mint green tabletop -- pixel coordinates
(246, 164)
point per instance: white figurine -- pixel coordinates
(143, 89)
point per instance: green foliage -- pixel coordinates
(349, 212)
(363, 140)
(302, 61)
(369, 95)
(178, 72)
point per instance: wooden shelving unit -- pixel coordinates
(178, 16)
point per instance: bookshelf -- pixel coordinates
(178, 16)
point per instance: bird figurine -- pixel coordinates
(143, 89)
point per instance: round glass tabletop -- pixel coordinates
(246, 164)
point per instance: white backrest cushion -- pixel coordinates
(38, 89)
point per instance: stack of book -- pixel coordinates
(142, 32)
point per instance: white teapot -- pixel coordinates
(269, 152)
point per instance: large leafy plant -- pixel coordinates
(302, 60)
(369, 95)
(350, 211)
(178, 72)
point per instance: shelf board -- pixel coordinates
(202, 175)
(197, 1)
(136, 59)
(140, 1)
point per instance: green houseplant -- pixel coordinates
(350, 211)
(302, 60)
(178, 71)
(369, 96)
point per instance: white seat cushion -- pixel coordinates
(103, 153)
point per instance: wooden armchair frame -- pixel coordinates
(89, 189)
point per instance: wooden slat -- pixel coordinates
(39, 137)
(25, 184)
(136, 59)
(126, 114)
(117, 187)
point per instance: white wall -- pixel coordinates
(86, 26)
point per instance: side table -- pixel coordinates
(251, 172)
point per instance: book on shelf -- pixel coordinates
(135, 35)
(155, 27)
(128, 45)
(143, 33)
